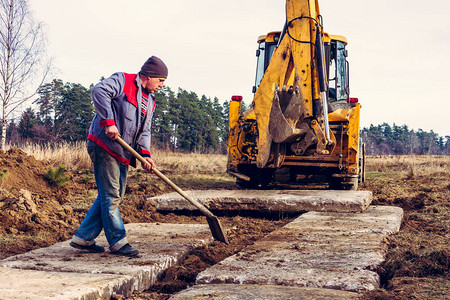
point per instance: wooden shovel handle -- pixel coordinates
(203, 209)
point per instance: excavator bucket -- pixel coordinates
(286, 115)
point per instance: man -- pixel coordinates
(124, 105)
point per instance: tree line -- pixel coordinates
(182, 121)
(385, 139)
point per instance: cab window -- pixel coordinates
(338, 72)
(264, 55)
(260, 65)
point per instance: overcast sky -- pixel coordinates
(397, 49)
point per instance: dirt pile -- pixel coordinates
(21, 171)
(24, 212)
(31, 213)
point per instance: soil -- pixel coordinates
(417, 262)
(32, 213)
(35, 213)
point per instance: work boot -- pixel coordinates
(126, 250)
(94, 248)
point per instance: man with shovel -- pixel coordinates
(124, 105)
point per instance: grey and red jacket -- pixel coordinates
(118, 101)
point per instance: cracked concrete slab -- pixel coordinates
(63, 272)
(257, 292)
(320, 255)
(317, 250)
(269, 200)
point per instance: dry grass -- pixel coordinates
(73, 156)
(409, 165)
(183, 168)
(190, 163)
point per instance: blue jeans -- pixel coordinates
(111, 179)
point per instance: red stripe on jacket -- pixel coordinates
(146, 153)
(107, 122)
(101, 144)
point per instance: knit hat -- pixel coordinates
(155, 68)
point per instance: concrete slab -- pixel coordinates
(63, 269)
(253, 292)
(317, 250)
(29, 284)
(269, 200)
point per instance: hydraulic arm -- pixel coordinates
(290, 103)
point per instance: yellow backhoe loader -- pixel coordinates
(303, 126)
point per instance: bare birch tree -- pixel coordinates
(23, 64)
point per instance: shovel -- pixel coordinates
(213, 222)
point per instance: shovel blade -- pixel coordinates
(216, 229)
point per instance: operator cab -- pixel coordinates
(337, 68)
(335, 54)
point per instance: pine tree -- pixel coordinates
(73, 112)
(162, 133)
(49, 94)
(27, 121)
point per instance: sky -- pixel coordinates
(397, 49)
